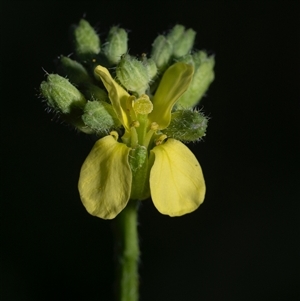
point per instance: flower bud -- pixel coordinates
(61, 95)
(75, 72)
(176, 33)
(181, 40)
(93, 92)
(161, 52)
(186, 125)
(100, 117)
(184, 45)
(116, 44)
(133, 74)
(202, 78)
(86, 40)
(151, 67)
(187, 59)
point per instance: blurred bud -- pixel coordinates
(100, 117)
(187, 125)
(161, 52)
(184, 45)
(116, 44)
(86, 40)
(93, 92)
(202, 78)
(75, 72)
(61, 95)
(150, 66)
(176, 33)
(182, 40)
(187, 59)
(133, 74)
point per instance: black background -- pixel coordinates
(241, 244)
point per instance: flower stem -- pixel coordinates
(127, 253)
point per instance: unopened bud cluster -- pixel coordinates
(80, 98)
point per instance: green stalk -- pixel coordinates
(127, 253)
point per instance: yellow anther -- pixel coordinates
(154, 126)
(135, 124)
(160, 139)
(114, 134)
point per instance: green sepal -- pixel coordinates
(187, 125)
(61, 95)
(132, 74)
(75, 71)
(100, 117)
(185, 44)
(93, 92)
(161, 52)
(175, 33)
(182, 40)
(116, 44)
(188, 59)
(86, 41)
(75, 120)
(150, 67)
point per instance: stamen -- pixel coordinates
(130, 101)
(154, 126)
(129, 106)
(114, 134)
(160, 139)
(135, 124)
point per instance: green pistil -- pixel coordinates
(142, 129)
(134, 137)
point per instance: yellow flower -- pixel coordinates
(144, 161)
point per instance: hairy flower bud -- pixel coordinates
(187, 125)
(202, 78)
(182, 40)
(187, 59)
(161, 52)
(116, 44)
(86, 40)
(151, 67)
(75, 72)
(93, 92)
(100, 117)
(133, 74)
(61, 95)
(176, 33)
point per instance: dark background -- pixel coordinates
(241, 244)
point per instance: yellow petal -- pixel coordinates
(117, 95)
(176, 180)
(105, 178)
(173, 84)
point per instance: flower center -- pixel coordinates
(142, 131)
